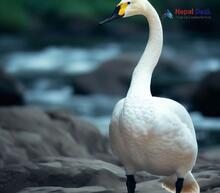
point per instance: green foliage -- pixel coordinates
(13, 14)
(21, 14)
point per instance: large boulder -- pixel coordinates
(66, 173)
(11, 91)
(29, 133)
(206, 97)
(112, 78)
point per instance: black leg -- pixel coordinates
(179, 185)
(131, 184)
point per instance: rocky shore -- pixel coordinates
(55, 152)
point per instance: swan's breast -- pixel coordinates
(151, 137)
(137, 116)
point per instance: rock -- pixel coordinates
(62, 172)
(211, 153)
(88, 189)
(29, 133)
(153, 186)
(80, 172)
(83, 132)
(207, 173)
(112, 78)
(215, 190)
(208, 179)
(10, 90)
(206, 97)
(166, 77)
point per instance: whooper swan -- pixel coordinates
(152, 133)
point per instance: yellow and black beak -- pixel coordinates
(118, 13)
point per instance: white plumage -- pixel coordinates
(151, 133)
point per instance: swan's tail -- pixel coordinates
(190, 184)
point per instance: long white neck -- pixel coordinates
(141, 78)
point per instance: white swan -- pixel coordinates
(152, 133)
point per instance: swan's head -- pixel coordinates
(127, 8)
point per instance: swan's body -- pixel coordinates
(151, 133)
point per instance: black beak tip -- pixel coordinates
(114, 16)
(105, 21)
(101, 22)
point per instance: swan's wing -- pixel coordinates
(116, 113)
(114, 131)
(180, 111)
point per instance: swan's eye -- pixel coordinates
(129, 3)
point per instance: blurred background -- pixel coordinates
(54, 55)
